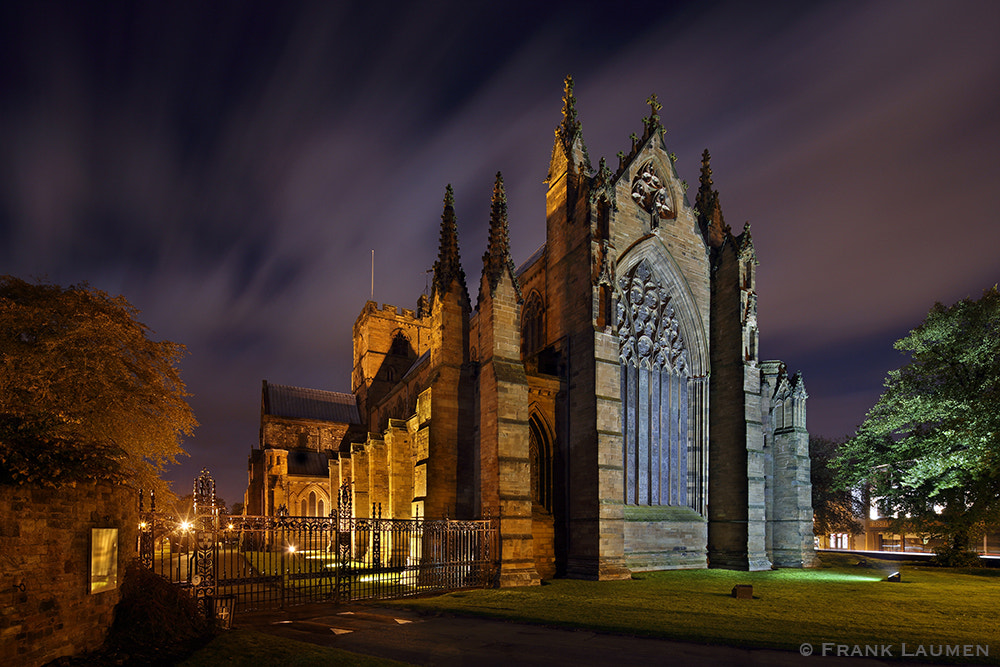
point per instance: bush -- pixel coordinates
(155, 612)
(952, 557)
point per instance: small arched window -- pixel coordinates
(532, 325)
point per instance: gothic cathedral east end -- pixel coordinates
(604, 399)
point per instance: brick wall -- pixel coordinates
(46, 610)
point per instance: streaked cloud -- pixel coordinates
(230, 167)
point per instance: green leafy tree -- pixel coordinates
(835, 509)
(84, 392)
(930, 448)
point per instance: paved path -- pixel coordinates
(454, 641)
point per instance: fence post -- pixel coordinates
(345, 529)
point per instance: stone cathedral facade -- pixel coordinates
(605, 398)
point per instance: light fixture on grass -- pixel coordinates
(895, 576)
(223, 608)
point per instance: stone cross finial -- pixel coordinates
(654, 107)
(653, 121)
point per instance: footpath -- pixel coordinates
(451, 641)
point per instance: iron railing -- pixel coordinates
(274, 562)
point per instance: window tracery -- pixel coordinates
(654, 391)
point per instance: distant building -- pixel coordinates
(881, 534)
(303, 430)
(605, 399)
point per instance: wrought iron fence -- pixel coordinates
(274, 562)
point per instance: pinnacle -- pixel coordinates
(707, 202)
(497, 256)
(448, 267)
(570, 124)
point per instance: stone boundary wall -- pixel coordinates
(46, 610)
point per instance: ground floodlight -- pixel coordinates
(895, 576)
(743, 592)
(223, 609)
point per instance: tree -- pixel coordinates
(835, 509)
(930, 448)
(84, 392)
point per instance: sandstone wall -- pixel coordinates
(46, 609)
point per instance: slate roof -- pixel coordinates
(313, 464)
(416, 364)
(526, 264)
(300, 403)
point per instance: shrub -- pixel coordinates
(154, 612)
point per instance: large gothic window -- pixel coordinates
(655, 382)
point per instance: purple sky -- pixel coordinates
(228, 167)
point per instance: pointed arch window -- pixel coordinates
(540, 464)
(400, 344)
(655, 390)
(532, 325)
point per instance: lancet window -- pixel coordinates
(532, 325)
(539, 465)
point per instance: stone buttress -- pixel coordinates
(503, 403)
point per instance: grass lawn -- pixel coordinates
(839, 603)
(256, 649)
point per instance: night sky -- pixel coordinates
(229, 166)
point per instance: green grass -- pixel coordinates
(838, 603)
(256, 649)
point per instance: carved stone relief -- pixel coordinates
(649, 192)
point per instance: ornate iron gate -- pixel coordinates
(274, 562)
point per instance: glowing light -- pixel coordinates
(229, 527)
(185, 525)
(291, 548)
(142, 525)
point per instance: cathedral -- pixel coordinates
(605, 398)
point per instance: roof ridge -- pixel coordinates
(325, 391)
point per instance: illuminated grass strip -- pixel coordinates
(838, 603)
